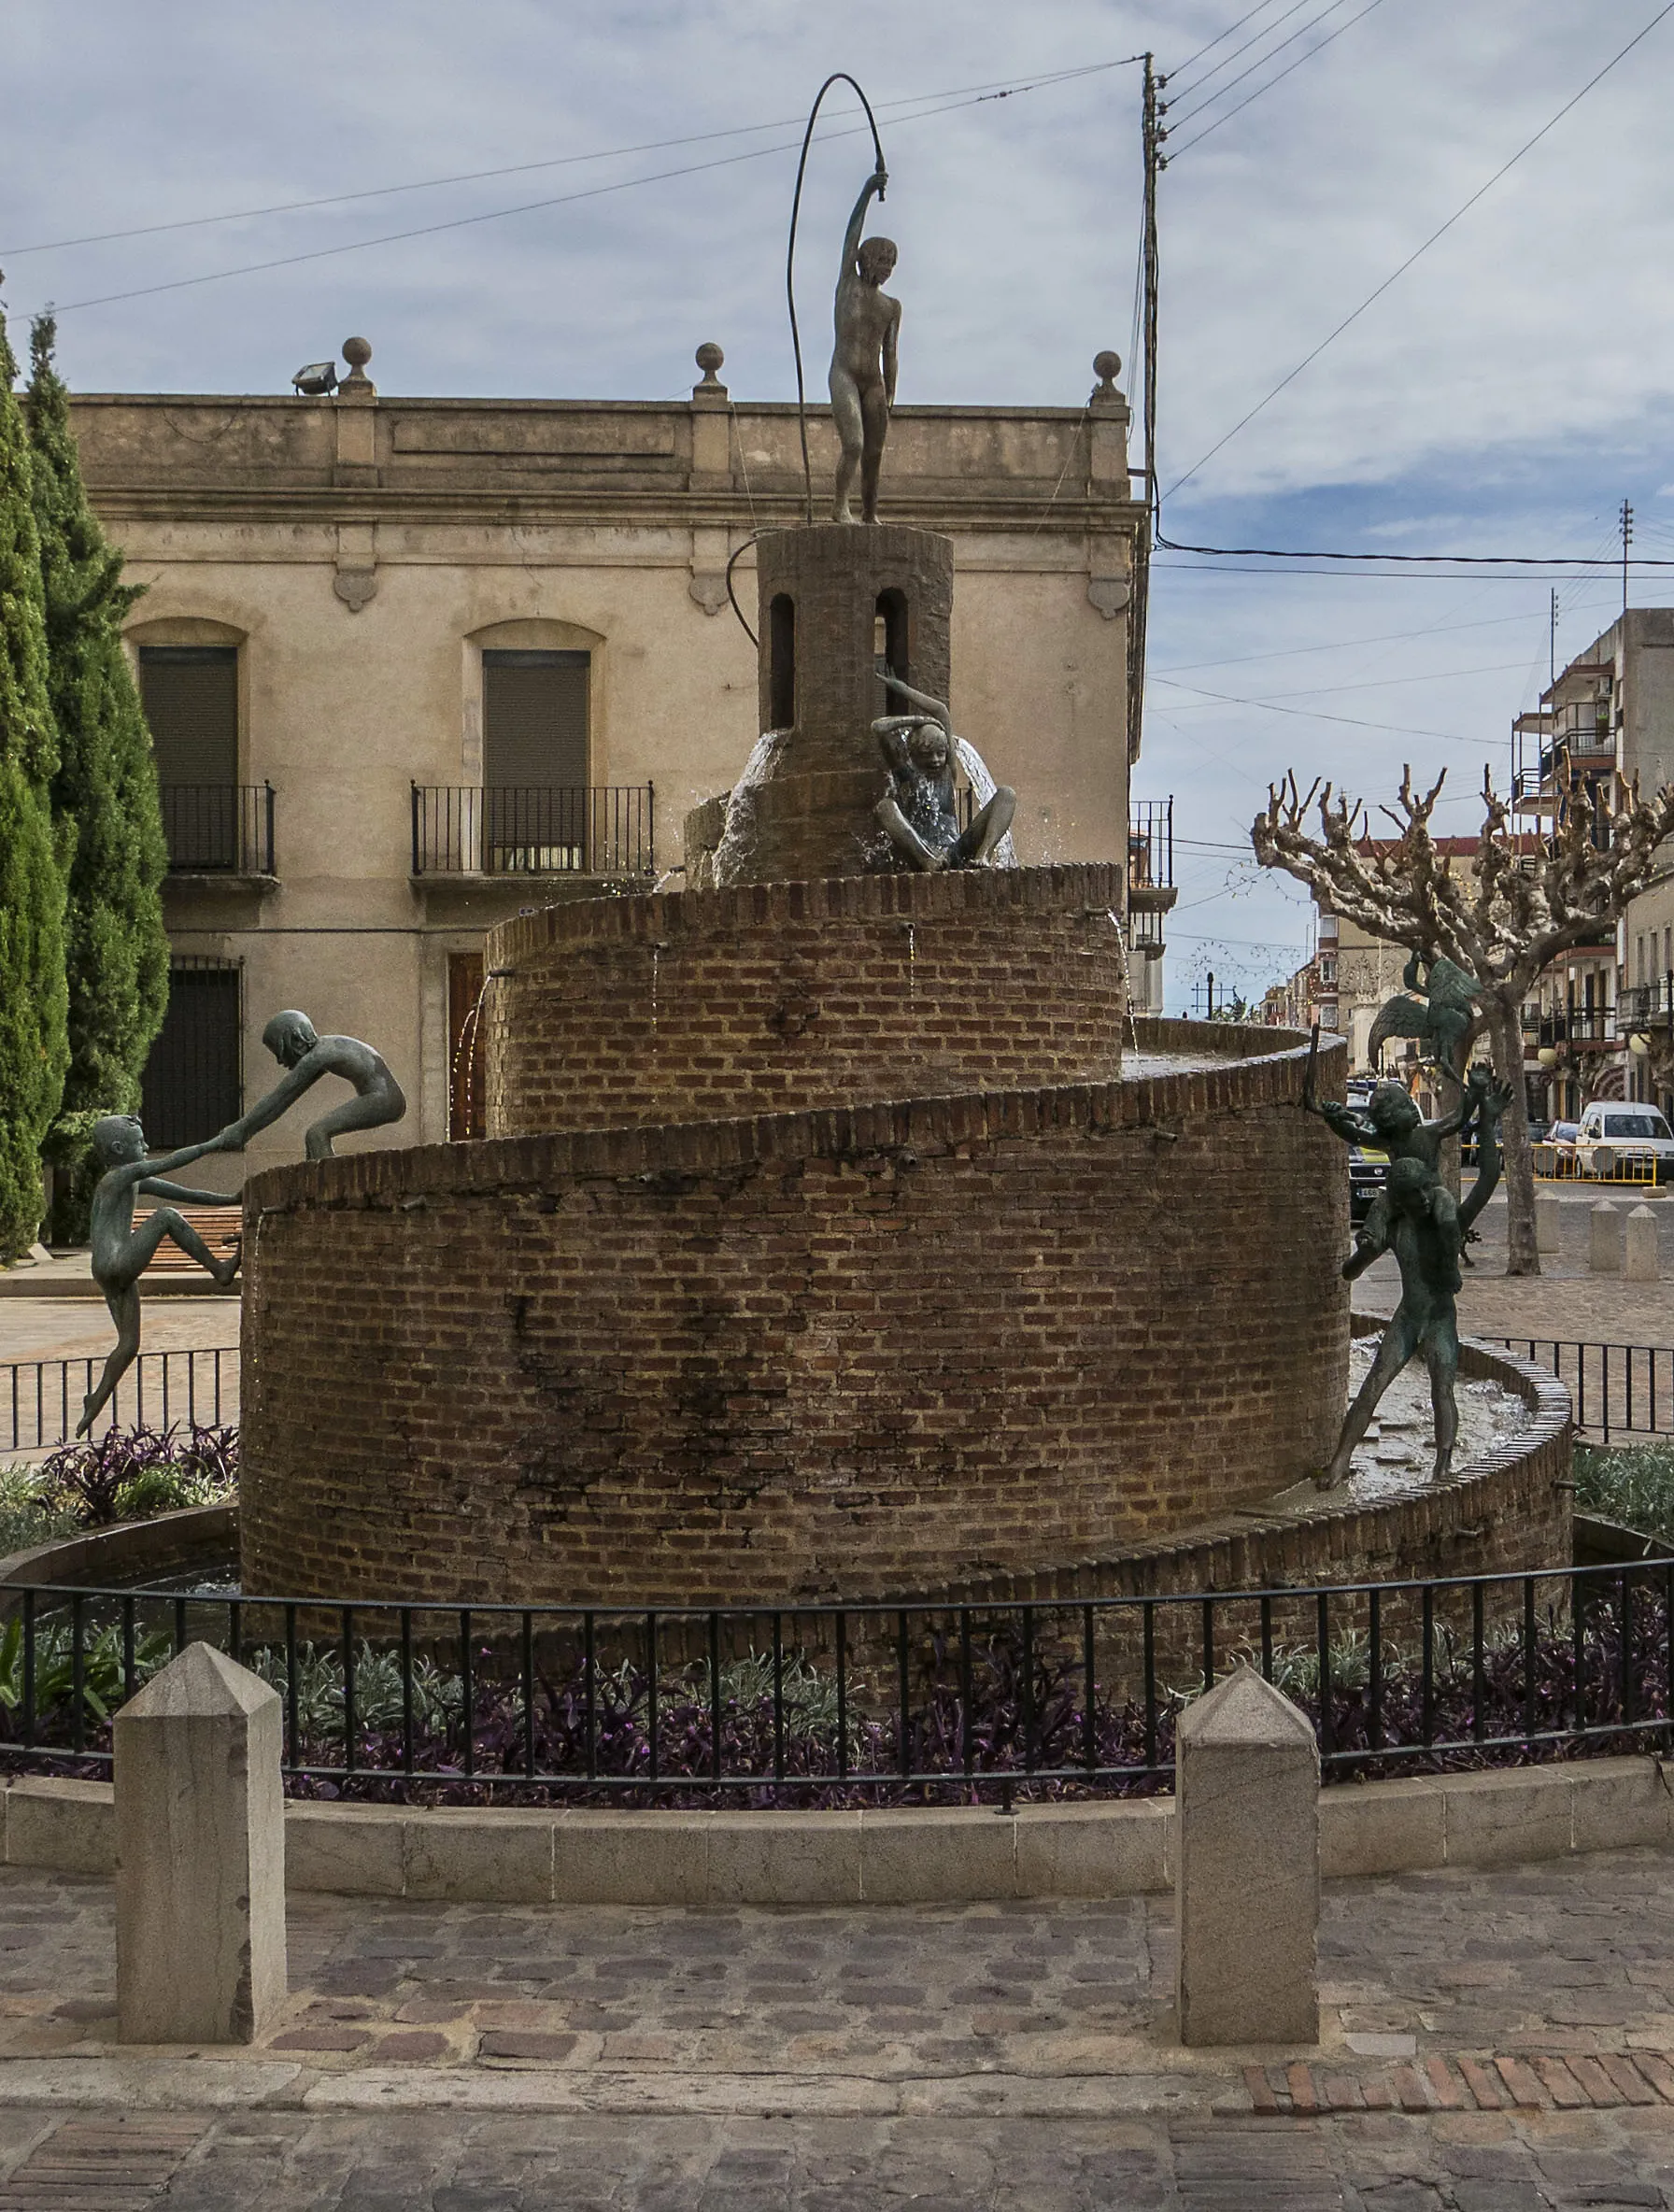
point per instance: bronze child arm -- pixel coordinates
(154, 1187)
(857, 222)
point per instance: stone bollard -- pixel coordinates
(1246, 1884)
(200, 1830)
(1640, 1264)
(1604, 1254)
(1548, 1221)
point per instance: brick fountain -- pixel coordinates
(826, 1242)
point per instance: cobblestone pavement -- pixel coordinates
(1565, 1300)
(77, 1328)
(296, 2161)
(1501, 2040)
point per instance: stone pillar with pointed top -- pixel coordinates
(200, 1884)
(1246, 1880)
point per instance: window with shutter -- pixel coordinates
(534, 752)
(191, 695)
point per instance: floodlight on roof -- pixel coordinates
(314, 382)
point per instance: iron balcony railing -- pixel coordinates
(1584, 1025)
(1645, 1005)
(219, 828)
(845, 1705)
(1151, 844)
(530, 830)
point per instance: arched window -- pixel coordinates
(781, 617)
(891, 641)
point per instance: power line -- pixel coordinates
(1564, 568)
(1221, 35)
(1458, 213)
(1439, 676)
(1260, 62)
(566, 199)
(1386, 637)
(1301, 714)
(1271, 81)
(1182, 91)
(424, 184)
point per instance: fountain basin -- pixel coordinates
(917, 1345)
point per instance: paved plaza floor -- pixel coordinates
(1491, 2040)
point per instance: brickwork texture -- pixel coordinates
(872, 1351)
(681, 1006)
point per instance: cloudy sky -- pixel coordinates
(1504, 395)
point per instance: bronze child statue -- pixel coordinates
(917, 811)
(1392, 1124)
(292, 1039)
(863, 360)
(121, 1253)
(1427, 1232)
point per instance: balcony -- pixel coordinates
(1589, 1025)
(1150, 871)
(533, 830)
(218, 830)
(1646, 1006)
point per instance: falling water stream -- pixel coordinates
(1115, 923)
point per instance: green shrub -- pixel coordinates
(104, 795)
(34, 854)
(1633, 1484)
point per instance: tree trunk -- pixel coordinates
(1505, 1037)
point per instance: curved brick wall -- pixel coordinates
(865, 1351)
(683, 1006)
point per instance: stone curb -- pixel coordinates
(948, 1855)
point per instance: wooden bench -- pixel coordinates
(218, 1227)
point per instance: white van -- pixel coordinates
(1612, 1132)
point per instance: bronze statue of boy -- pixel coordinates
(1392, 1124)
(121, 1253)
(1426, 1230)
(863, 360)
(305, 1056)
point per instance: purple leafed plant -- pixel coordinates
(129, 1474)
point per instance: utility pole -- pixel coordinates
(1626, 541)
(1152, 134)
(1552, 643)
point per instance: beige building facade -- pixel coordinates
(1606, 721)
(415, 665)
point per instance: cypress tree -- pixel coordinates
(34, 1047)
(103, 791)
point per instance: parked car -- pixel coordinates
(1369, 1171)
(1611, 1134)
(1557, 1156)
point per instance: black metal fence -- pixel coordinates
(219, 828)
(1616, 1389)
(467, 829)
(41, 1400)
(828, 1704)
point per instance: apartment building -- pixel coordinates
(412, 665)
(1605, 723)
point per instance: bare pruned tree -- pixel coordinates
(1503, 911)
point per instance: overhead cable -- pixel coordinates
(596, 191)
(1221, 35)
(1260, 62)
(1279, 78)
(1482, 191)
(610, 153)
